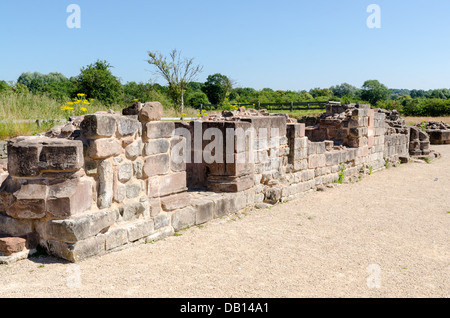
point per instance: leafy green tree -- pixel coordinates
(217, 87)
(36, 81)
(197, 98)
(321, 92)
(417, 93)
(59, 90)
(344, 89)
(373, 91)
(4, 87)
(177, 71)
(97, 81)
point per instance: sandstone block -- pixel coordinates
(69, 197)
(15, 227)
(151, 111)
(133, 190)
(134, 150)
(11, 245)
(204, 210)
(125, 172)
(104, 148)
(115, 238)
(140, 229)
(78, 251)
(162, 220)
(28, 157)
(295, 130)
(98, 126)
(176, 201)
(156, 146)
(183, 218)
(81, 227)
(29, 202)
(159, 129)
(172, 183)
(105, 184)
(128, 126)
(156, 165)
(131, 211)
(231, 184)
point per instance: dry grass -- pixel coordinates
(417, 120)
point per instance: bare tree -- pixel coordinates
(177, 71)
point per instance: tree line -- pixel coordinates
(98, 82)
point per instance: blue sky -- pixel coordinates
(287, 45)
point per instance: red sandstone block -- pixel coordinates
(11, 245)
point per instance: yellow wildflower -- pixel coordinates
(84, 109)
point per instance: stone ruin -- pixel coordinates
(438, 132)
(105, 181)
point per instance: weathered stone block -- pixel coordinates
(15, 227)
(156, 146)
(125, 172)
(81, 227)
(138, 166)
(178, 158)
(172, 183)
(176, 201)
(69, 197)
(128, 126)
(204, 210)
(105, 184)
(28, 157)
(11, 245)
(131, 211)
(81, 250)
(159, 129)
(233, 184)
(115, 238)
(183, 218)
(133, 110)
(295, 130)
(162, 220)
(99, 126)
(104, 148)
(132, 190)
(29, 202)
(273, 195)
(140, 229)
(156, 165)
(151, 111)
(134, 150)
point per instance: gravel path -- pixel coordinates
(385, 236)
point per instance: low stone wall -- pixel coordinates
(116, 180)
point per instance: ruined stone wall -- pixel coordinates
(118, 180)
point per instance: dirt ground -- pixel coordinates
(384, 236)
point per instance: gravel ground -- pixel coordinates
(384, 236)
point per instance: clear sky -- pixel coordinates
(283, 44)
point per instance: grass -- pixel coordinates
(297, 114)
(14, 129)
(26, 106)
(411, 121)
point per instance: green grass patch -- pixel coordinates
(15, 129)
